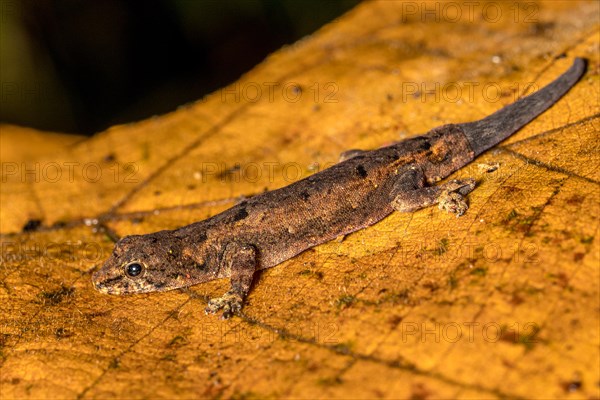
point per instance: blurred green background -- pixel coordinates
(81, 66)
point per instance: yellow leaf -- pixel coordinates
(502, 302)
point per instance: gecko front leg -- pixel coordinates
(411, 194)
(239, 261)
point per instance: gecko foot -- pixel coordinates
(452, 200)
(230, 303)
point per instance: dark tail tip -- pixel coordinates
(493, 129)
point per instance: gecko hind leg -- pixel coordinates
(240, 260)
(451, 199)
(411, 194)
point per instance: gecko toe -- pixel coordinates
(452, 198)
(230, 303)
(453, 202)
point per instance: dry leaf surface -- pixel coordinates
(502, 302)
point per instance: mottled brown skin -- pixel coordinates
(272, 227)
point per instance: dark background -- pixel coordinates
(80, 66)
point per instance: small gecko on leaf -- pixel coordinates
(275, 226)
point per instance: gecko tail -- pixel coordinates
(493, 129)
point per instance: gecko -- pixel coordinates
(272, 227)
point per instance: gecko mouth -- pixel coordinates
(107, 286)
(120, 284)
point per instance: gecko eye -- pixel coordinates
(133, 269)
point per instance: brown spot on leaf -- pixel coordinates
(575, 200)
(57, 296)
(32, 225)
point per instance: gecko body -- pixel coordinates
(269, 228)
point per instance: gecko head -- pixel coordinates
(155, 262)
